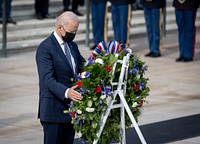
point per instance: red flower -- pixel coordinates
(79, 84)
(98, 89)
(136, 87)
(73, 114)
(108, 68)
(141, 103)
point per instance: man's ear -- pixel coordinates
(59, 27)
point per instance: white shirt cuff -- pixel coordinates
(66, 93)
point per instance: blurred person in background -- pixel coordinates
(98, 8)
(42, 9)
(185, 13)
(152, 18)
(8, 12)
(74, 6)
(120, 10)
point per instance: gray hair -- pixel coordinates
(66, 17)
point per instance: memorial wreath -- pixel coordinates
(94, 83)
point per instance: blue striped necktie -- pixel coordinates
(68, 55)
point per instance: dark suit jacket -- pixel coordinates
(55, 76)
(122, 1)
(187, 5)
(153, 3)
(99, 1)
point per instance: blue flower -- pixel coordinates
(70, 106)
(130, 71)
(126, 52)
(140, 87)
(135, 70)
(82, 91)
(100, 102)
(77, 122)
(144, 67)
(107, 90)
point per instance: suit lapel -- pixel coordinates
(61, 53)
(58, 48)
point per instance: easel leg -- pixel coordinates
(131, 117)
(123, 131)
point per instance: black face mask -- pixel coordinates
(68, 37)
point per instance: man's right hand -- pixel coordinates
(73, 94)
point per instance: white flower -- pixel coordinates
(83, 75)
(138, 76)
(99, 60)
(116, 55)
(89, 109)
(135, 104)
(79, 134)
(102, 97)
(79, 111)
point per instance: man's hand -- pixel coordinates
(74, 95)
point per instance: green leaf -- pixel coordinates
(89, 103)
(91, 116)
(94, 98)
(94, 124)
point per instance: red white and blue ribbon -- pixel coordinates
(101, 47)
(113, 47)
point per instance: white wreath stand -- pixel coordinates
(120, 91)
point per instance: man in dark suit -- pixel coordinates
(56, 68)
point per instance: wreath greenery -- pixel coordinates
(95, 86)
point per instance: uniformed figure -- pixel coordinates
(119, 10)
(185, 13)
(152, 18)
(98, 8)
